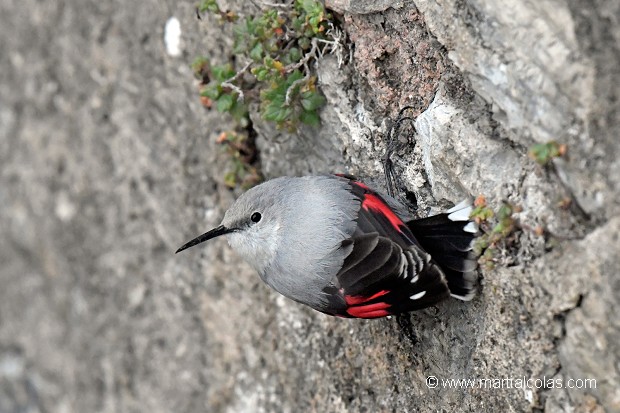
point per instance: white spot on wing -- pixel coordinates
(418, 295)
(415, 279)
(172, 37)
(403, 265)
(416, 261)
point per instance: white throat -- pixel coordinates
(257, 245)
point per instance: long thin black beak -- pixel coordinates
(215, 232)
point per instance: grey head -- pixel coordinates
(290, 230)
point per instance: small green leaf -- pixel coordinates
(212, 91)
(208, 5)
(482, 212)
(256, 53)
(293, 77)
(543, 153)
(283, 114)
(261, 73)
(268, 62)
(268, 108)
(312, 100)
(505, 211)
(222, 72)
(310, 118)
(309, 6)
(304, 43)
(294, 55)
(239, 111)
(272, 45)
(273, 106)
(298, 24)
(225, 102)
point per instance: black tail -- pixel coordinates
(448, 238)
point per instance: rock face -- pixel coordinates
(108, 163)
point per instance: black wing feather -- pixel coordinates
(375, 266)
(363, 245)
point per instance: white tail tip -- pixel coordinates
(471, 227)
(461, 211)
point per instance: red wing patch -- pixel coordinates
(361, 185)
(357, 308)
(373, 202)
(359, 299)
(369, 310)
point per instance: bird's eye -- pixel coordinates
(255, 217)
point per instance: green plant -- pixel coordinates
(208, 6)
(543, 153)
(278, 45)
(242, 156)
(498, 230)
(218, 91)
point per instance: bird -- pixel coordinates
(336, 245)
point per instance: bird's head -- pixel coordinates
(252, 225)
